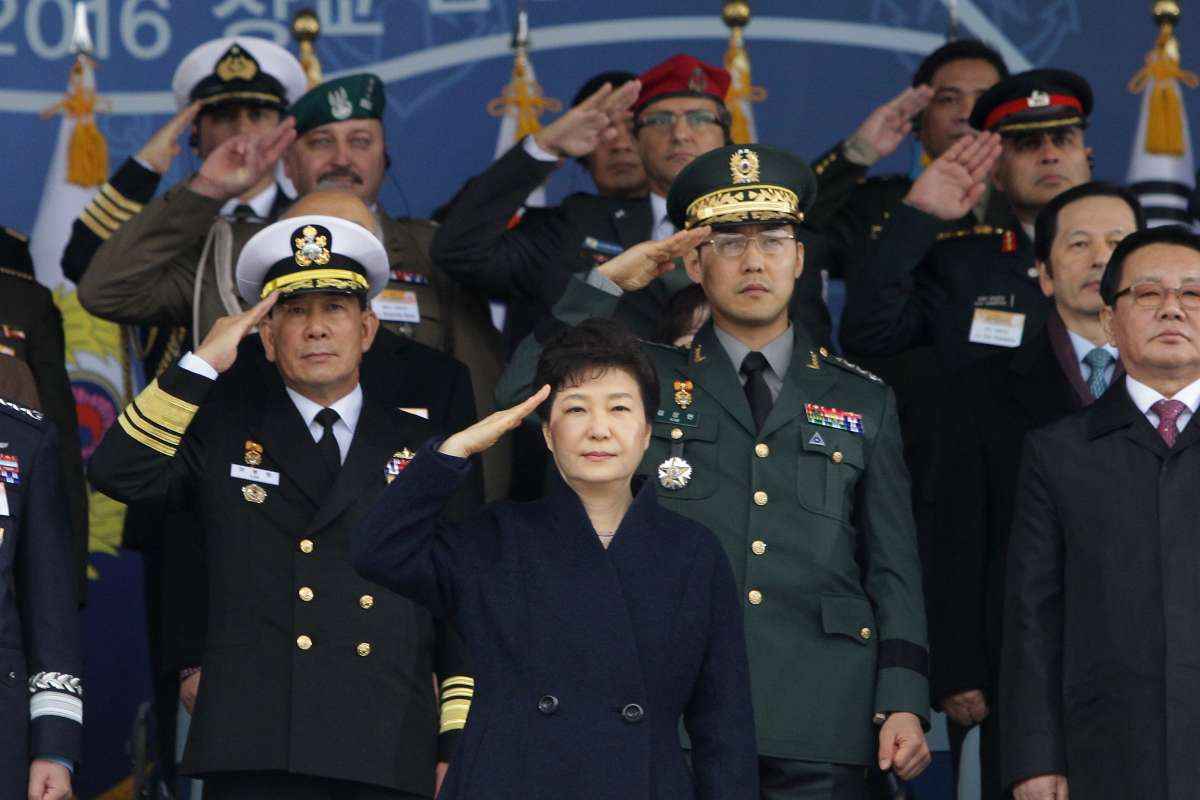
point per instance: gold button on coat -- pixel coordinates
(303, 642)
(761, 450)
(760, 498)
(676, 433)
(758, 547)
(306, 546)
(366, 601)
(755, 597)
(837, 456)
(306, 594)
(364, 648)
(865, 633)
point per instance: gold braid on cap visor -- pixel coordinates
(743, 204)
(336, 280)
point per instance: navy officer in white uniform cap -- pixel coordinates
(280, 468)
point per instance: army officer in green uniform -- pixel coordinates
(792, 457)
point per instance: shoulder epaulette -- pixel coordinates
(668, 348)
(830, 157)
(971, 230)
(20, 237)
(20, 412)
(838, 361)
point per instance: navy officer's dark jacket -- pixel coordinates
(41, 659)
(585, 658)
(307, 667)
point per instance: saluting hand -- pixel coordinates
(902, 746)
(882, 132)
(487, 431)
(241, 161)
(220, 346)
(160, 150)
(578, 132)
(642, 263)
(954, 182)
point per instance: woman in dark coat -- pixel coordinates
(596, 619)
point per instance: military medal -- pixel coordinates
(674, 473)
(10, 469)
(254, 493)
(834, 418)
(398, 463)
(683, 393)
(812, 360)
(254, 452)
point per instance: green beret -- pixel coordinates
(352, 97)
(741, 184)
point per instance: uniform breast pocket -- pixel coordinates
(830, 465)
(682, 458)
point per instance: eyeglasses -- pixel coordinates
(1153, 295)
(665, 120)
(735, 245)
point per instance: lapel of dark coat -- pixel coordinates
(632, 222)
(1038, 384)
(806, 381)
(286, 439)
(373, 444)
(1114, 411)
(710, 369)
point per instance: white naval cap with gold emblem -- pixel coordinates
(312, 253)
(239, 69)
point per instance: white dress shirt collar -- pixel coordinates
(261, 203)
(349, 408)
(1143, 397)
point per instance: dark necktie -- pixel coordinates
(1168, 412)
(757, 392)
(244, 213)
(328, 443)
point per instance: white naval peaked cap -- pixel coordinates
(218, 71)
(312, 253)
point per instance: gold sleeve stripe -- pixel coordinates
(103, 218)
(111, 208)
(93, 226)
(450, 694)
(147, 440)
(454, 715)
(120, 199)
(165, 410)
(457, 680)
(138, 419)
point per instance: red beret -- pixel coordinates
(682, 75)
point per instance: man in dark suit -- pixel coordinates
(297, 644)
(679, 113)
(1098, 680)
(986, 411)
(41, 655)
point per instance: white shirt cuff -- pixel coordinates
(194, 363)
(600, 281)
(534, 150)
(147, 166)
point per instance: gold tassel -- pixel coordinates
(1162, 75)
(87, 154)
(741, 92)
(525, 96)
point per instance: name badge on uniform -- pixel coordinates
(999, 328)
(3, 505)
(269, 476)
(397, 305)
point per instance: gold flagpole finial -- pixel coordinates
(306, 27)
(87, 150)
(736, 15)
(523, 93)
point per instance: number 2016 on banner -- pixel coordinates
(45, 26)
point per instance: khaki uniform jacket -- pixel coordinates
(145, 273)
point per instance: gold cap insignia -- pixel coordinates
(1038, 99)
(312, 247)
(698, 82)
(743, 166)
(236, 64)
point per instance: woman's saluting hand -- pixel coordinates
(487, 431)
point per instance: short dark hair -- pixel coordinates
(1045, 227)
(1166, 234)
(680, 314)
(590, 349)
(959, 50)
(617, 77)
